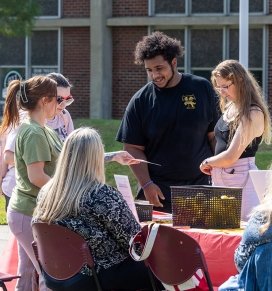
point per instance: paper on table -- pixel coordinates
(123, 185)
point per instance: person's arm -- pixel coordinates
(243, 136)
(121, 157)
(36, 174)
(9, 157)
(151, 191)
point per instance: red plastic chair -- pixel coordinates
(61, 254)
(175, 257)
(4, 277)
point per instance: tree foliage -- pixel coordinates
(17, 17)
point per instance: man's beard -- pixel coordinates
(167, 83)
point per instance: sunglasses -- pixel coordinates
(68, 100)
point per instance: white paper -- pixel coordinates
(261, 181)
(123, 185)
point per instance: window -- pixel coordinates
(205, 48)
(44, 56)
(255, 49)
(253, 6)
(169, 7)
(207, 6)
(203, 6)
(49, 8)
(25, 57)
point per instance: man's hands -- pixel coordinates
(152, 193)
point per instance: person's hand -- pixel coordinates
(124, 158)
(153, 194)
(205, 168)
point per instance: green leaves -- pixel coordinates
(17, 17)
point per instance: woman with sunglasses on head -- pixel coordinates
(63, 125)
(244, 124)
(36, 151)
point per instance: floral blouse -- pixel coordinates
(251, 239)
(107, 224)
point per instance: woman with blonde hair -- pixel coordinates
(244, 124)
(78, 198)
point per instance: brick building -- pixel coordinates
(92, 43)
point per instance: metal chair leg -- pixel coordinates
(3, 286)
(152, 281)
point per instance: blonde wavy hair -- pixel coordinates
(248, 93)
(80, 168)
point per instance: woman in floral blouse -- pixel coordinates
(78, 198)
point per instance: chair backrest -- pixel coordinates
(175, 256)
(60, 251)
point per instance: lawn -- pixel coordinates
(108, 129)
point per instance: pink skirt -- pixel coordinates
(238, 176)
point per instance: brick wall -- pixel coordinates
(76, 8)
(76, 66)
(129, 8)
(127, 77)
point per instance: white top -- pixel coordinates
(8, 181)
(62, 124)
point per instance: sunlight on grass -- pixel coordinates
(2, 210)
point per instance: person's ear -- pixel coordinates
(174, 62)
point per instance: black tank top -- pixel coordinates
(222, 131)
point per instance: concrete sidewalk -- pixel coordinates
(4, 237)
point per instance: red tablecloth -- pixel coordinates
(218, 247)
(9, 260)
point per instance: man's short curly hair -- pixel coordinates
(157, 44)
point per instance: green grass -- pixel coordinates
(108, 129)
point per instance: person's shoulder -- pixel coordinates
(144, 91)
(195, 78)
(30, 127)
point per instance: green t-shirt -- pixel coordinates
(34, 144)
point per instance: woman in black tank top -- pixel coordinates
(244, 124)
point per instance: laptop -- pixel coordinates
(261, 180)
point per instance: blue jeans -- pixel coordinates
(256, 274)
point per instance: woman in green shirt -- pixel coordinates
(36, 151)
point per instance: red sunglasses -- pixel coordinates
(68, 100)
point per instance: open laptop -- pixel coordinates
(261, 180)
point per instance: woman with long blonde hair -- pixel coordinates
(78, 198)
(244, 124)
